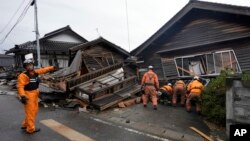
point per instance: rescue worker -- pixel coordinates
(27, 87)
(166, 93)
(150, 86)
(194, 89)
(179, 90)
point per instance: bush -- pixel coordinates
(214, 100)
(245, 76)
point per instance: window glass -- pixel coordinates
(206, 64)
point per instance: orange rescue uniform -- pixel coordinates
(31, 107)
(195, 87)
(168, 89)
(167, 93)
(179, 89)
(151, 83)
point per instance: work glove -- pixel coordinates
(56, 68)
(159, 93)
(23, 99)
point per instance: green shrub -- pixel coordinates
(214, 100)
(245, 76)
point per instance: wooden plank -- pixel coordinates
(206, 137)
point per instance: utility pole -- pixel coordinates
(37, 36)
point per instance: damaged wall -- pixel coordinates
(197, 31)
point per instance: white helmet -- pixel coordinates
(196, 77)
(28, 61)
(150, 67)
(169, 84)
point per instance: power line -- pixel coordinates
(12, 17)
(18, 20)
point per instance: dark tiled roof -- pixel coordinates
(53, 46)
(6, 56)
(193, 4)
(48, 45)
(58, 31)
(97, 41)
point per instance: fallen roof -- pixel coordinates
(97, 41)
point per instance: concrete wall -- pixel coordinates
(237, 103)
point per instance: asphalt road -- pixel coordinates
(11, 115)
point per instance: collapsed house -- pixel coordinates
(54, 48)
(201, 39)
(97, 74)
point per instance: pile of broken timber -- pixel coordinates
(105, 87)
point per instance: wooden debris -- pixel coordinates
(206, 137)
(121, 105)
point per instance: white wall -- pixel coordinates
(62, 60)
(65, 37)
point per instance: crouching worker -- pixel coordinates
(179, 90)
(194, 89)
(166, 93)
(150, 86)
(27, 86)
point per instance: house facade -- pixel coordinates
(6, 61)
(54, 47)
(201, 39)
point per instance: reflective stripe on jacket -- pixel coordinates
(150, 78)
(24, 80)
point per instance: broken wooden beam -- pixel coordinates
(204, 136)
(73, 83)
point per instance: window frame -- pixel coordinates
(181, 73)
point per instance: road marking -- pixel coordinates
(131, 130)
(65, 131)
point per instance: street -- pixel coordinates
(11, 115)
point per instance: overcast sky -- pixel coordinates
(145, 17)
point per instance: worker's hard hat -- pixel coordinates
(196, 77)
(28, 61)
(169, 84)
(150, 67)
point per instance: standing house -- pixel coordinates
(54, 47)
(201, 39)
(6, 61)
